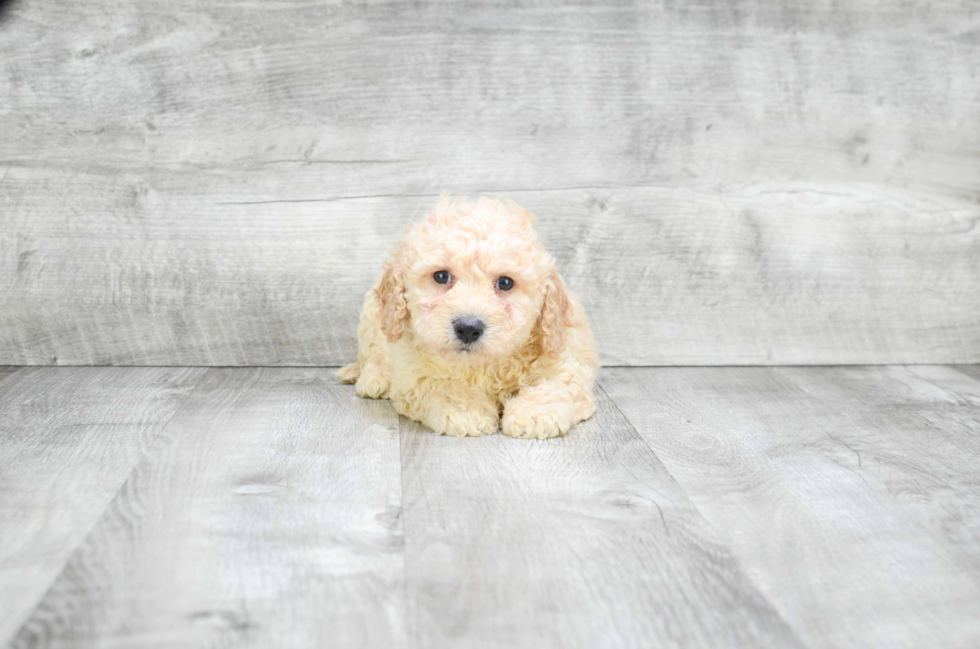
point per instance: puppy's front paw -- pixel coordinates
(371, 384)
(529, 419)
(460, 421)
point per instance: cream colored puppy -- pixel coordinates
(469, 320)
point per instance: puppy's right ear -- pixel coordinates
(393, 309)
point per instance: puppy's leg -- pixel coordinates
(349, 373)
(372, 371)
(539, 411)
(373, 381)
(474, 416)
(448, 408)
(551, 406)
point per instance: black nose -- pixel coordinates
(468, 329)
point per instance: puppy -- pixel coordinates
(470, 328)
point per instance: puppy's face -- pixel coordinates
(475, 281)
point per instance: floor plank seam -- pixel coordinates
(407, 621)
(777, 610)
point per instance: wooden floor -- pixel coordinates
(270, 507)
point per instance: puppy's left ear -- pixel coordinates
(556, 315)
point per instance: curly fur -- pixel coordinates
(532, 372)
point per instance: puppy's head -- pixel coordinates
(473, 283)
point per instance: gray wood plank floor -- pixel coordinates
(267, 512)
(852, 495)
(69, 437)
(584, 542)
(270, 507)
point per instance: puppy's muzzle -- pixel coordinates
(468, 329)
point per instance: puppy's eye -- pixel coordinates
(505, 283)
(441, 276)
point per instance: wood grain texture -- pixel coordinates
(582, 541)
(724, 182)
(69, 437)
(851, 495)
(265, 515)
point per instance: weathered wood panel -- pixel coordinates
(725, 182)
(850, 495)
(68, 439)
(266, 514)
(582, 541)
(668, 277)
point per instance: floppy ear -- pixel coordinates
(393, 310)
(556, 314)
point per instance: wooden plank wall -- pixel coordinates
(217, 183)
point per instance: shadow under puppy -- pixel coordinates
(471, 328)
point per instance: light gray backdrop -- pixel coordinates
(212, 182)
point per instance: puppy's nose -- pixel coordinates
(468, 329)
